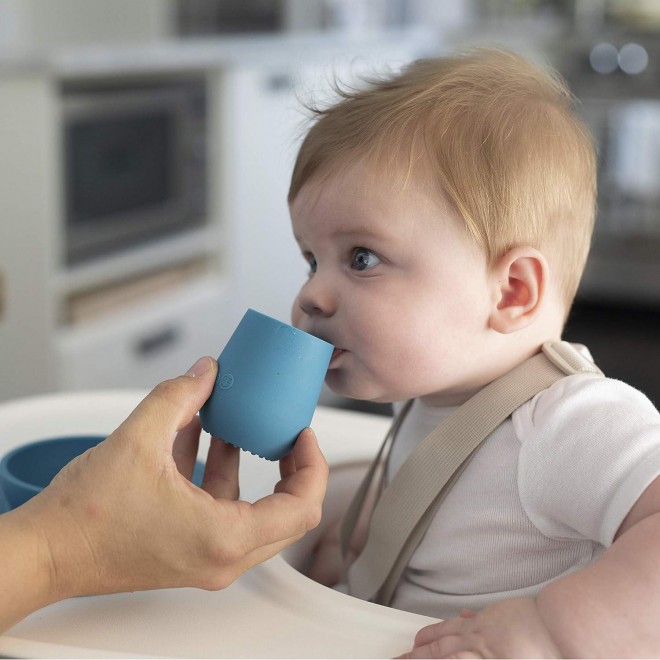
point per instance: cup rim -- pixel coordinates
(272, 319)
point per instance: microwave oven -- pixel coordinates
(135, 164)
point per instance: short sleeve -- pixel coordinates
(589, 447)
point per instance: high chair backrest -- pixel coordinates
(406, 507)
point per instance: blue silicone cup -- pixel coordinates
(268, 385)
(28, 469)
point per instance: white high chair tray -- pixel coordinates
(273, 611)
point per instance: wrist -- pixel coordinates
(64, 555)
(26, 579)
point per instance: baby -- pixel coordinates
(446, 215)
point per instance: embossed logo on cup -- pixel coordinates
(226, 381)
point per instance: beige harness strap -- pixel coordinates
(378, 465)
(407, 506)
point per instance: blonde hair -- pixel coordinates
(495, 133)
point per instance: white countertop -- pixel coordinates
(271, 611)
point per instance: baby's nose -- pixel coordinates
(317, 297)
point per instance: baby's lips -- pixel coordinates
(335, 354)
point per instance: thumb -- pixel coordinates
(172, 404)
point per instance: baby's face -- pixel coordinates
(395, 284)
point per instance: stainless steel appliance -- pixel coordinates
(135, 163)
(617, 314)
(614, 76)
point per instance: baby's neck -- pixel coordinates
(502, 358)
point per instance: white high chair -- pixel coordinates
(273, 611)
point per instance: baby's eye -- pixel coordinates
(364, 259)
(311, 262)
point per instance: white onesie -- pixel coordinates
(542, 498)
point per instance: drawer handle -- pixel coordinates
(280, 82)
(156, 342)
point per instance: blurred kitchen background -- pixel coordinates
(146, 148)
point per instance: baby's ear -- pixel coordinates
(519, 282)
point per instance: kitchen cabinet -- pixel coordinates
(126, 334)
(112, 321)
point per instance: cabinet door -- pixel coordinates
(261, 121)
(140, 350)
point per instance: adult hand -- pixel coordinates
(124, 516)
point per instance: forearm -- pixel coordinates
(610, 607)
(25, 578)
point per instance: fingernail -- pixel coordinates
(200, 367)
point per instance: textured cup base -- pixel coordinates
(248, 451)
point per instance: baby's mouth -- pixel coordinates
(336, 354)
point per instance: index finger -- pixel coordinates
(171, 405)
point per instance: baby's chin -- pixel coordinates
(342, 386)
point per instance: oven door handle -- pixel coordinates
(157, 342)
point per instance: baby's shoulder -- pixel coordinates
(582, 402)
(588, 447)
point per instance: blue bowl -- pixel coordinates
(28, 469)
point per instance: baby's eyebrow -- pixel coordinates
(348, 233)
(360, 232)
(353, 233)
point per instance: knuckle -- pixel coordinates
(221, 579)
(313, 517)
(324, 469)
(230, 554)
(438, 649)
(227, 549)
(169, 391)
